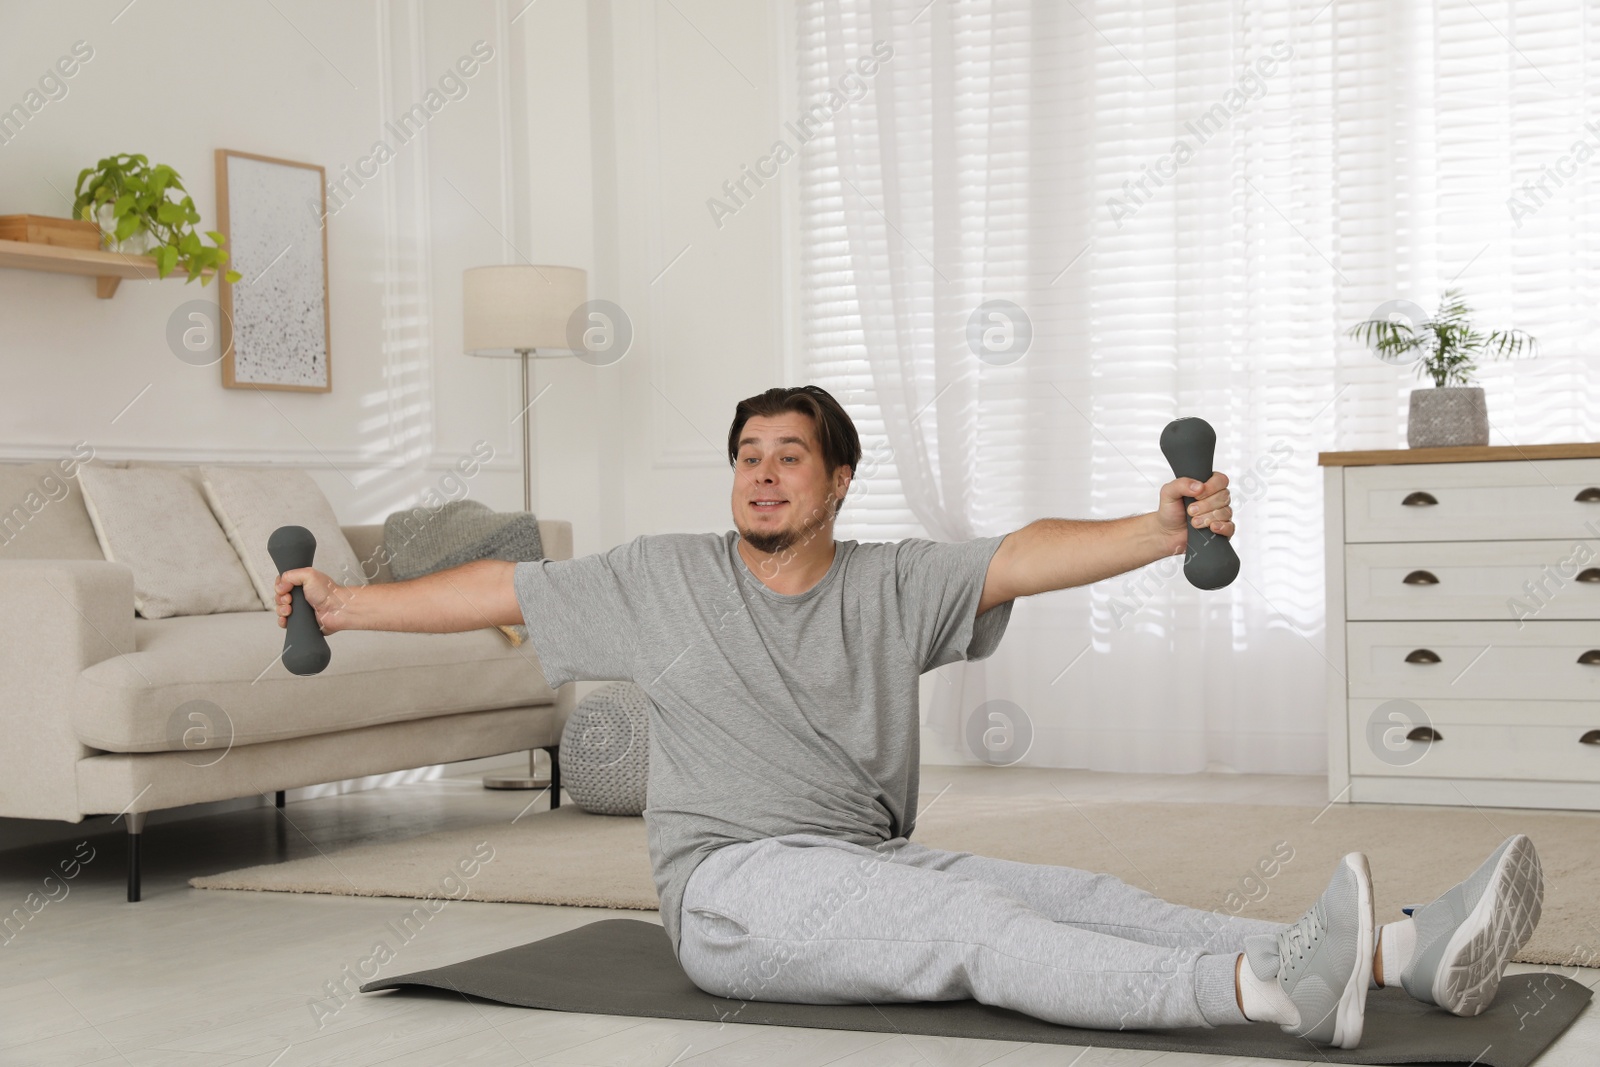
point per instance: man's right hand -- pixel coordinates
(324, 597)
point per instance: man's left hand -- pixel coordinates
(1210, 508)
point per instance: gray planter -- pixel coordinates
(1454, 415)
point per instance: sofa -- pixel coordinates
(102, 708)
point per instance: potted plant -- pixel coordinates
(137, 209)
(1444, 348)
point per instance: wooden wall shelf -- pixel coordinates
(106, 268)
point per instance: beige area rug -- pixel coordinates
(1257, 861)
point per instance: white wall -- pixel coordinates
(695, 93)
(314, 83)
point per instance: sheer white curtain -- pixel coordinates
(1189, 203)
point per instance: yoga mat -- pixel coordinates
(626, 967)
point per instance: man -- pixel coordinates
(782, 667)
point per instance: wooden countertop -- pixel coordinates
(1459, 454)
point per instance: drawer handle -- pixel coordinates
(1420, 499)
(1590, 658)
(1590, 575)
(1590, 495)
(1424, 733)
(1429, 578)
(1426, 655)
(1590, 738)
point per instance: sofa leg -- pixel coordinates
(279, 798)
(135, 833)
(555, 776)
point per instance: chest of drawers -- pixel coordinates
(1463, 595)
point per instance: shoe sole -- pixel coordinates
(1352, 1010)
(1500, 924)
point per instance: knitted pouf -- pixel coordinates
(605, 750)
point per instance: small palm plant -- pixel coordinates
(1448, 345)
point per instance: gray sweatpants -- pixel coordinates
(808, 919)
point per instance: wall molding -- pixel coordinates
(789, 330)
(407, 283)
(308, 458)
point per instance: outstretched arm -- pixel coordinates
(1061, 553)
(468, 597)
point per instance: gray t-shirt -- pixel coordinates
(773, 714)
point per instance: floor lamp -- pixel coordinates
(521, 312)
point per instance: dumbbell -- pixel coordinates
(305, 650)
(1190, 445)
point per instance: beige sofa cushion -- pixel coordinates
(154, 520)
(131, 703)
(41, 510)
(251, 502)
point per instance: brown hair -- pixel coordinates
(836, 433)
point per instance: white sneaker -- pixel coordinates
(1324, 962)
(1467, 936)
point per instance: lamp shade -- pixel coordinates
(508, 310)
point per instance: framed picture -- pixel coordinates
(274, 328)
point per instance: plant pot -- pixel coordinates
(137, 244)
(1454, 415)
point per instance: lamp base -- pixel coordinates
(531, 780)
(512, 781)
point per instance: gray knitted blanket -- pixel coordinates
(423, 540)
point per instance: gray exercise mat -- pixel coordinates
(626, 967)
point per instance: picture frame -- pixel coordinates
(275, 324)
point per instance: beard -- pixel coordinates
(770, 543)
(778, 541)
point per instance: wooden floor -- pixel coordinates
(190, 977)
